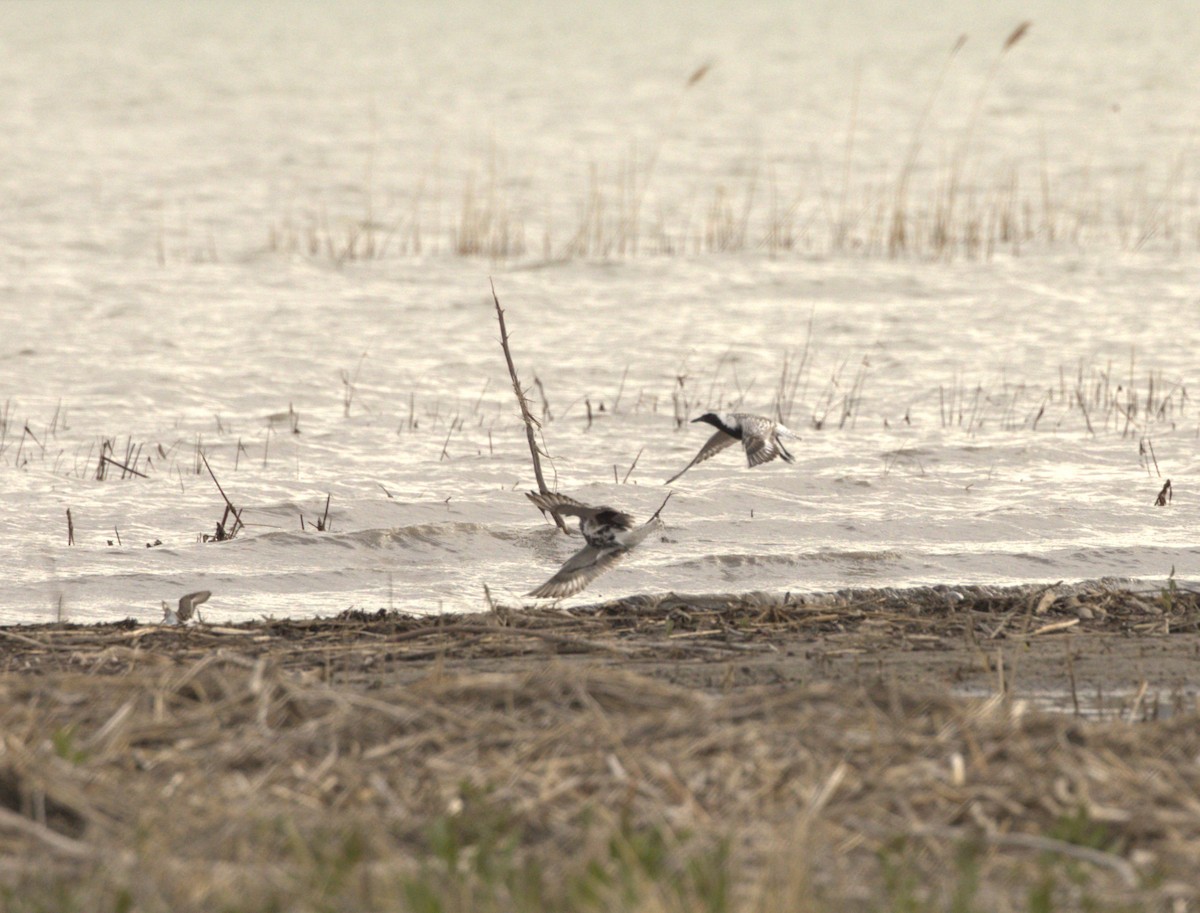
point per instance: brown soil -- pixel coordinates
(883, 731)
(1086, 647)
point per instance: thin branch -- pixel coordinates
(654, 516)
(237, 514)
(523, 403)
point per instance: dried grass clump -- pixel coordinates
(210, 778)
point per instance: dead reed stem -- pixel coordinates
(632, 466)
(229, 508)
(523, 404)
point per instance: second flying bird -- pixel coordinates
(760, 436)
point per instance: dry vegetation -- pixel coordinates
(930, 199)
(809, 392)
(670, 754)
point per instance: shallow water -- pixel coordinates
(1128, 705)
(144, 302)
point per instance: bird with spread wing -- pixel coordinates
(610, 536)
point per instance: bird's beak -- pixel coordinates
(695, 420)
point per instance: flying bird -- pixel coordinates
(610, 536)
(760, 436)
(187, 607)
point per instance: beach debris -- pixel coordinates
(187, 607)
(610, 537)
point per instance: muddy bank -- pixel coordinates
(676, 753)
(1091, 645)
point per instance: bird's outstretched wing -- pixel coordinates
(714, 445)
(760, 449)
(581, 569)
(188, 603)
(560, 504)
(593, 560)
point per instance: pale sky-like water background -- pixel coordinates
(216, 212)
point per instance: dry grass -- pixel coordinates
(812, 390)
(970, 209)
(527, 761)
(947, 188)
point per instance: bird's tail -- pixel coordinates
(784, 454)
(633, 537)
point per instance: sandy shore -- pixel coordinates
(851, 751)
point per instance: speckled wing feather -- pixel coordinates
(590, 562)
(581, 569)
(714, 445)
(560, 504)
(758, 450)
(760, 440)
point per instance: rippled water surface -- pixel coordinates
(189, 192)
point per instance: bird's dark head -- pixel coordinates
(711, 418)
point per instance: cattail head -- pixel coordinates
(1017, 34)
(699, 74)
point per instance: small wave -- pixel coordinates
(742, 560)
(435, 534)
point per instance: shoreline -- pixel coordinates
(653, 754)
(1089, 637)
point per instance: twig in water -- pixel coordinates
(633, 466)
(1145, 446)
(486, 383)
(121, 466)
(229, 508)
(323, 523)
(70, 528)
(348, 385)
(546, 416)
(1163, 499)
(523, 404)
(620, 390)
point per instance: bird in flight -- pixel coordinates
(760, 436)
(609, 533)
(187, 607)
